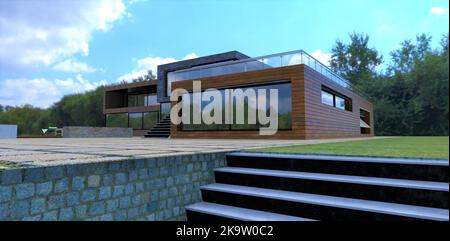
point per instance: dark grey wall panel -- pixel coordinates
(185, 64)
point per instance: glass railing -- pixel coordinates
(258, 63)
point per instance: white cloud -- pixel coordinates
(40, 33)
(438, 10)
(42, 92)
(71, 65)
(150, 63)
(190, 56)
(324, 58)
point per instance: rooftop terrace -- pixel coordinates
(257, 63)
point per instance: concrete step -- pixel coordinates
(315, 206)
(204, 211)
(163, 125)
(157, 135)
(398, 168)
(161, 128)
(159, 131)
(422, 193)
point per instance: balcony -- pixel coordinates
(258, 63)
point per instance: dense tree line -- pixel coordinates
(84, 109)
(409, 92)
(410, 95)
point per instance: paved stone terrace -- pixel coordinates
(61, 151)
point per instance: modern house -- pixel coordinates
(313, 103)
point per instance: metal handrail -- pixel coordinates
(318, 66)
(238, 61)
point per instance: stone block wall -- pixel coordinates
(87, 131)
(148, 189)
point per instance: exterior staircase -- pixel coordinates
(281, 187)
(161, 129)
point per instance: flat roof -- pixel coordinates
(120, 86)
(60, 151)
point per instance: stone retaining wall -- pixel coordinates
(148, 189)
(87, 131)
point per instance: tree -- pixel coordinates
(356, 62)
(444, 45)
(79, 109)
(146, 77)
(405, 58)
(411, 97)
(30, 120)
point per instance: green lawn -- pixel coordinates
(6, 165)
(417, 147)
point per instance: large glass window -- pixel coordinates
(340, 102)
(335, 99)
(203, 125)
(165, 109)
(327, 98)
(135, 120)
(136, 100)
(117, 120)
(142, 100)
(150, 119)
(170, 79)
(151, 100)
(284, 109)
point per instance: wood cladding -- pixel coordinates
(289, 73)
(324, 121)
(132, 85)
(311, 119)
(115, 97)
(131, 109)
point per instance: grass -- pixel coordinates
(7, 165)
(412, 147)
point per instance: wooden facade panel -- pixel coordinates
(294, 74)
(127, 86)
(324, 121)
(311, 119)
(132, 109)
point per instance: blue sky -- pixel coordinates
(52, 48)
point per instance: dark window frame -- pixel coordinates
(180, 126)
(348, 101)
(145, 95)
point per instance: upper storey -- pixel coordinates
(253, 64)
(165, 70)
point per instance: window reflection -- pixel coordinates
(327, 98)
(284, 109)
(141, 100)
(135, 120)
(332, 98)
(340, 102)
(117, 120)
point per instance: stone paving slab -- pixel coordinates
(58, 151)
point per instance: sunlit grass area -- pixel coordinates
(413, 147)
(6, 165)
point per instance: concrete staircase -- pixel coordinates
(161, 129)
(276, 187)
